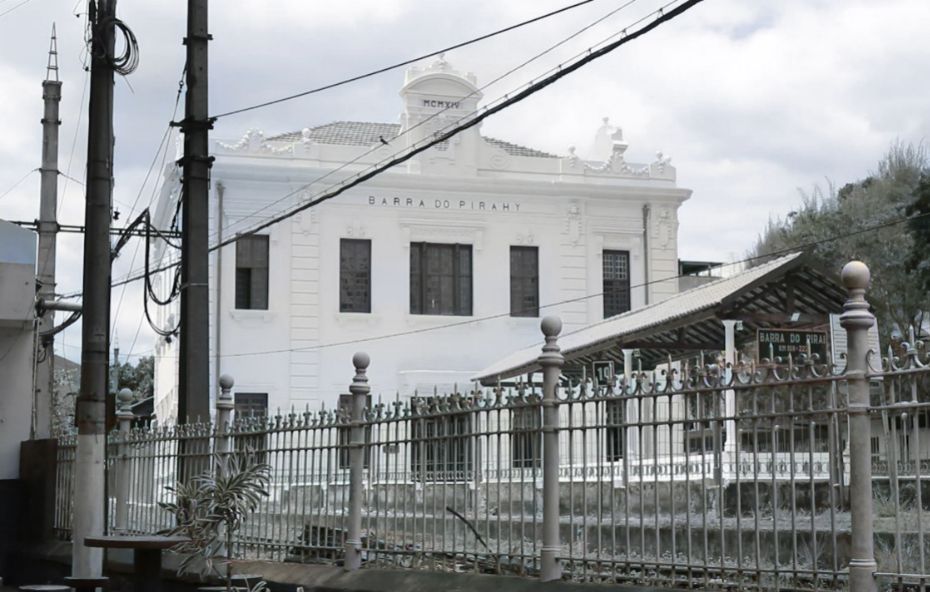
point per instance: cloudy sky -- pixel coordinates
(751, 99)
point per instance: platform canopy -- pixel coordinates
(783, 292)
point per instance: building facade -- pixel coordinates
(435, 268)
(17, 343)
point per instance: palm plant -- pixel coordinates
(210, 508)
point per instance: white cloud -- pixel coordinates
(751, 99)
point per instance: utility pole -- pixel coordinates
(48, 230)
(89, 487)
(193, 391)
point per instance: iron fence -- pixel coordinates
(749, 475)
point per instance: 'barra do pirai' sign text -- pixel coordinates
(474, 205)
(780, 343)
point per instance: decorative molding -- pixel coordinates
(303, 222)
(664, 228)
(253, 142)
(356, 231)
(252, 316)
(574, 224)
(440, 231)
(526, 237)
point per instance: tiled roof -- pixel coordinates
(517, 150)
(363, 133)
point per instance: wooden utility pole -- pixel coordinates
(193, 391)
(48, 231)
(89, 470)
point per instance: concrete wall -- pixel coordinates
(471, 191)
(17, 301)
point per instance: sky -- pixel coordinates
(753, 101)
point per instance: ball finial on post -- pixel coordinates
(226, 382)
(856, 275)
(124, 400)
(361, 360)
(359, 385)
(551, 326)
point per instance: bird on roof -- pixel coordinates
(383, 141)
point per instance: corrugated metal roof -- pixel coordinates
(689, 303)
(365, 133)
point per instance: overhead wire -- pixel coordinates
(403, 63)
(471, 321)
(561, 71)
(162, 150)
(11, 9)
(535, 57)
(444, 109)
(18, 183)
(660, 17)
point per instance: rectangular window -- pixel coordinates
(252, 272)
(700, 410)
(875, 443)
(440, 279)
(251, 413)
(440, 449)
(354, 275)
(615, 430)
(524, 282)
(345, 433)
(526, 436)
(616, 282)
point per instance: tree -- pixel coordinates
(837, 226)
(139, 378)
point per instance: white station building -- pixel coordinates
(477, 233)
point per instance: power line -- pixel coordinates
(402, 64)
(438, 113)
(163, 144)
(17, 183)
(78, 229)
(77, 128)
(558, 72)
(9, 10)
(532, 88)
(471, 321)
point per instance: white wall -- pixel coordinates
(17, 342)
(299, 351)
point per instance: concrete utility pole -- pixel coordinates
(89, 488)
(193, 391)
(48, 229)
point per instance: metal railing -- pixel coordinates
(756, 476)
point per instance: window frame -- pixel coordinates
(454, 462)
(526, 435)
(610, 285)
(242, 439)
(518, 288)
(245, 297)
(615, 433)
(420, 279)
(344, 305)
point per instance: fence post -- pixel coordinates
(551, 362)
(856, 320)
(224, 407)
(359, 389)
(124, 417)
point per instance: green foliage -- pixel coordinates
(211, 507)
(898, 291)
(138, 378)
(919, 211)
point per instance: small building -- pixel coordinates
(17, 342)
(435, 267)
